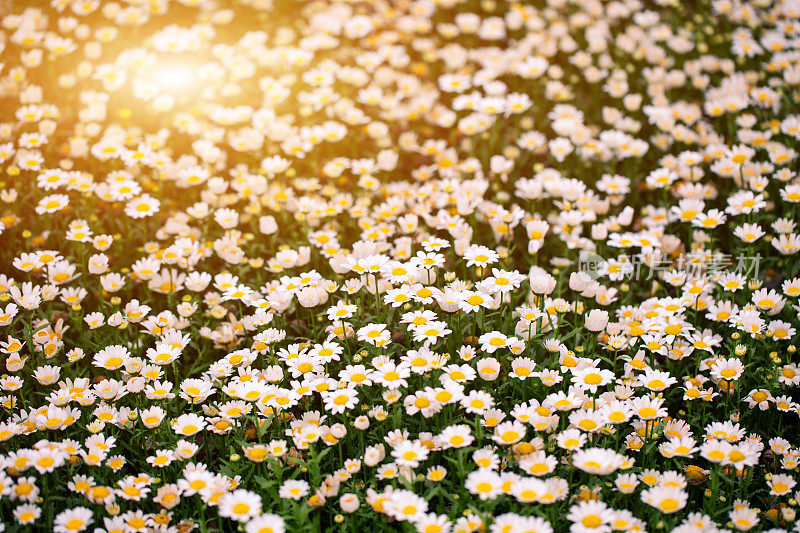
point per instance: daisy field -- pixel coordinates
(435, 266)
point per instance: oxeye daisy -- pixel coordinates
(492, 341)
(111, 357)
(727, 369)
(480, 256)
(431, 332)
(142, 206)
(27, 513)
(588, 420)
(598, 461)
(294, 489)
(471, 301)
(668, 500)
(52, 204)
(457, 436)
(744, 519)
(392, 376)
(421, 402)
(522, 368)
(648, 408)
(475, 402)
(590, 515)
(240, 505)
(655, 380)
(266, 523)
(375, 334)
(781, 484)
(162, 458)
(571, 439)
(590, 378)
(410, 453)
(72, 520)
(537, 463)
(489, 368)
(507, 433)
(678, 446)
(340, 400)
(483, 483)
(188, 424)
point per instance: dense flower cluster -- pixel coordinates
(420, 265)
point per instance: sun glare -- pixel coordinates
(173, 77)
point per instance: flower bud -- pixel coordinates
(349, 502)
(596, 320)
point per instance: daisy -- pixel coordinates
(522, 368)
(656, 380)
(410, 453)
(598, 461)
(749, 233)
(341, 311)
(476, 402)
(781, 484)
(188, 424)
(483, 483)
(265, 523)
(709, 220)
(759, 398)
(590, 378)
(391, 375)
(617, 411)
(163, 354)
(727, 369)
(590, 516)
(431, 332)
(589, 420)
(480, 256)
(489, 368)
(471, 301)
(161, 459)
(789, 375)
(458, 373)
(294, 489)
(72, 520)
(375, 334)
(492, 341)
(27, 513)
(111, 357)
(132, 489)
(507, 433)
(538, 463)
(571, 439)
(424, 294)
(52, 204)
(340, 400)
(744, 519)
(420, 361)
(405, 505)
(142, 206)
(240, 505)
(421, 401)
(678, 447)
(456, 436)
(668, 500)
